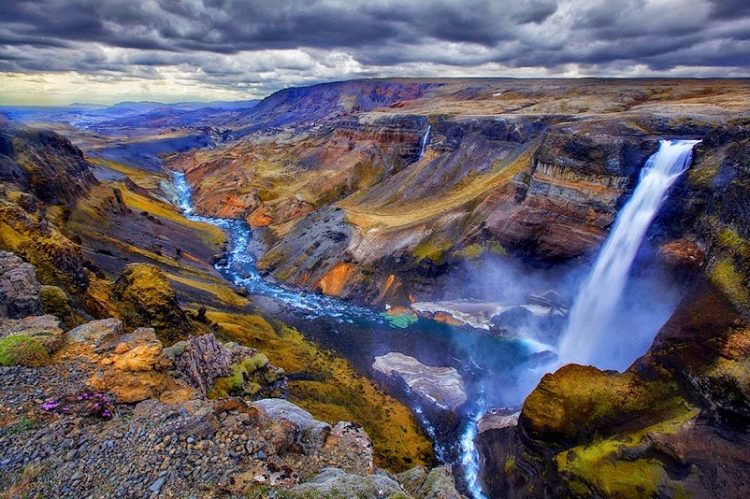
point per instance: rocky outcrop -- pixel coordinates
(43, 164)
(45, 329)
(441, 387)
(430, 484)
(145, 299)
(659, 428)
(97, 334)
(19, 289)
(218, 370)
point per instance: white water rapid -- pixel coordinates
(588, 337)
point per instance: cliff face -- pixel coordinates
(662, 427)
(528, 168)
(674, 423)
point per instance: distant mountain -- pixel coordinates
(129, 115)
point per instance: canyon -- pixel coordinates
(404, 254)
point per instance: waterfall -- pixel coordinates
(469, 453)
(424, 142)
(589, 337)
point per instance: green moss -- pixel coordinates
(238, 382)
(145, 299)
(730, 239)
(54, 301)
(18, 350)
(498, 249)
(431, 249)
(730, 282)
(702, 174)
(600, 466)
(509, 465)
(472, 251)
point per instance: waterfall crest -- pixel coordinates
(587, 338)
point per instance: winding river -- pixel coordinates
(361, 334)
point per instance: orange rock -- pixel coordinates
(332, 283)
(447, 318)
(682, 253)
(258, 218)
(398, 310)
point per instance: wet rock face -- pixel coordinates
(19, 289)
(440, 387)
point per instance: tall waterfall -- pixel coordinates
(424, 142)
(589, 337)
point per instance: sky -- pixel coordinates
(105, 51)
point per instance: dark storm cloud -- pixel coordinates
(228, 42)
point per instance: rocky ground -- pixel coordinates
(96, 411)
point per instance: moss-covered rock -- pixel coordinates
(251, 377)
(19, 350)
(577, 403)
(145, 299)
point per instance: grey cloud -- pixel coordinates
(234, 42)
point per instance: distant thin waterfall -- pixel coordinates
(588, 338)
(425, 141)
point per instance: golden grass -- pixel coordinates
(397, 216)
(145, 179)
(216, 287)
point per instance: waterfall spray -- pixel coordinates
(588, 338)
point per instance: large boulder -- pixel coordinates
(333, 482)
(96, 334)
(221, 370)
(437, 483)
(44, 328)
(19, 289)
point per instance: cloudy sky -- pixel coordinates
(62, 51)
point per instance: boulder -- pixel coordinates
(441, 387)
(97, 334)
(437, 483)
(333, 482)
(44, 328)
(201, 360)
(19, 289)
(140, 350)
(303, 421)
(682, 254)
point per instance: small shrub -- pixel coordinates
(18, 350)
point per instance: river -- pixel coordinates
(360, 334)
